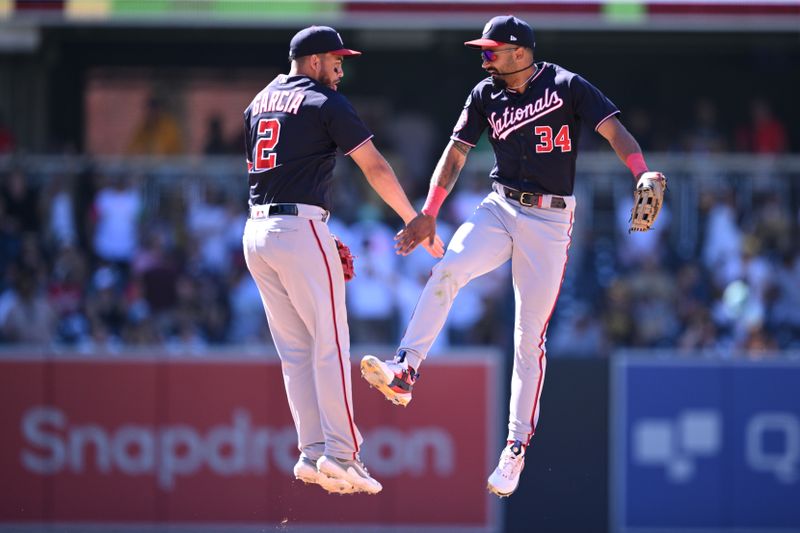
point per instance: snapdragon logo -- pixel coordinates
(676, 445)
(773, 445)
(53, 445)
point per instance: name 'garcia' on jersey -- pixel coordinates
(513, 119)
(285, 101)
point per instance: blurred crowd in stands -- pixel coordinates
(90, 262)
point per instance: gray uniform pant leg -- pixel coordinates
(299, 275)
(538, 264)
(480, 245)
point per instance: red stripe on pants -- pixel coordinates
(336, 333)
(544, 329)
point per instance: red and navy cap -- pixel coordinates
(318, 40)
(505, 29)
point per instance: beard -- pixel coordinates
(329, 81)
(497, 81)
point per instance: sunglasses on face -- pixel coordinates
(491, 55)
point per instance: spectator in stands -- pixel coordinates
(187, 337)
(722, 237)
(105, 305)
(213, 317)
(9, 247)
(765, 133)
(640, 124)
(784, 301)
(26, 316)
(758, 343)
(618, 319)
(413, 138)
(705, 135)
(247, 320)
(699, 333)
(773, 223)
(58, 210)
(7, 141)
(156, 270)
(101, 341)
(748, 272)
(370, 295)
(207, 218)
(158, 133)
(580, 334)
(693, 291)
(33, 258)
(740, 315)
(653, 293)
(66, 293)
(85, 185)
(21, 202)
(116, 210)
(754, 269)
(216, 143)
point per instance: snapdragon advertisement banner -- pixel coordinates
(706, 447)
(160, 441)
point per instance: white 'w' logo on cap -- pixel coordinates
(512, 38)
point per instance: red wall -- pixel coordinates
(207, 441)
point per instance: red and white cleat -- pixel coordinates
(505, 478)
(394, 378)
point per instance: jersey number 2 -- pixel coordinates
(546, 141)
(269, 132)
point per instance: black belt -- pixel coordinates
(533, 199)
(312, 212)
(283, 209)
(277, 209)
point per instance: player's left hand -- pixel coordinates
(648, 197)
(436, 249)
(422, 229)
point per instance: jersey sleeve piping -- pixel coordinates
(454, 138)
(606, 118)
(359, 145)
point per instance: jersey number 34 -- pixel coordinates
(547, 142)
(269, 132)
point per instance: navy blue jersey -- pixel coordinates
(292, 130)
(534, 134)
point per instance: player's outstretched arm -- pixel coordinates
(648, 196)
(444, 177)
(383, 180)
(450, 164)
(620, 139)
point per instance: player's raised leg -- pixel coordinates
(479, 246)
(393, 378)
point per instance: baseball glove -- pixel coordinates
(647, 200)
(346, 258)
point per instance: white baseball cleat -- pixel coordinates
(351, 471)
(306, 471)
(505, 478)
(394, 378)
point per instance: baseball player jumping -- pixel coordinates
(534, 111)
(293, 128)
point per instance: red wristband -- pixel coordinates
(636, 163)
(433, 202)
